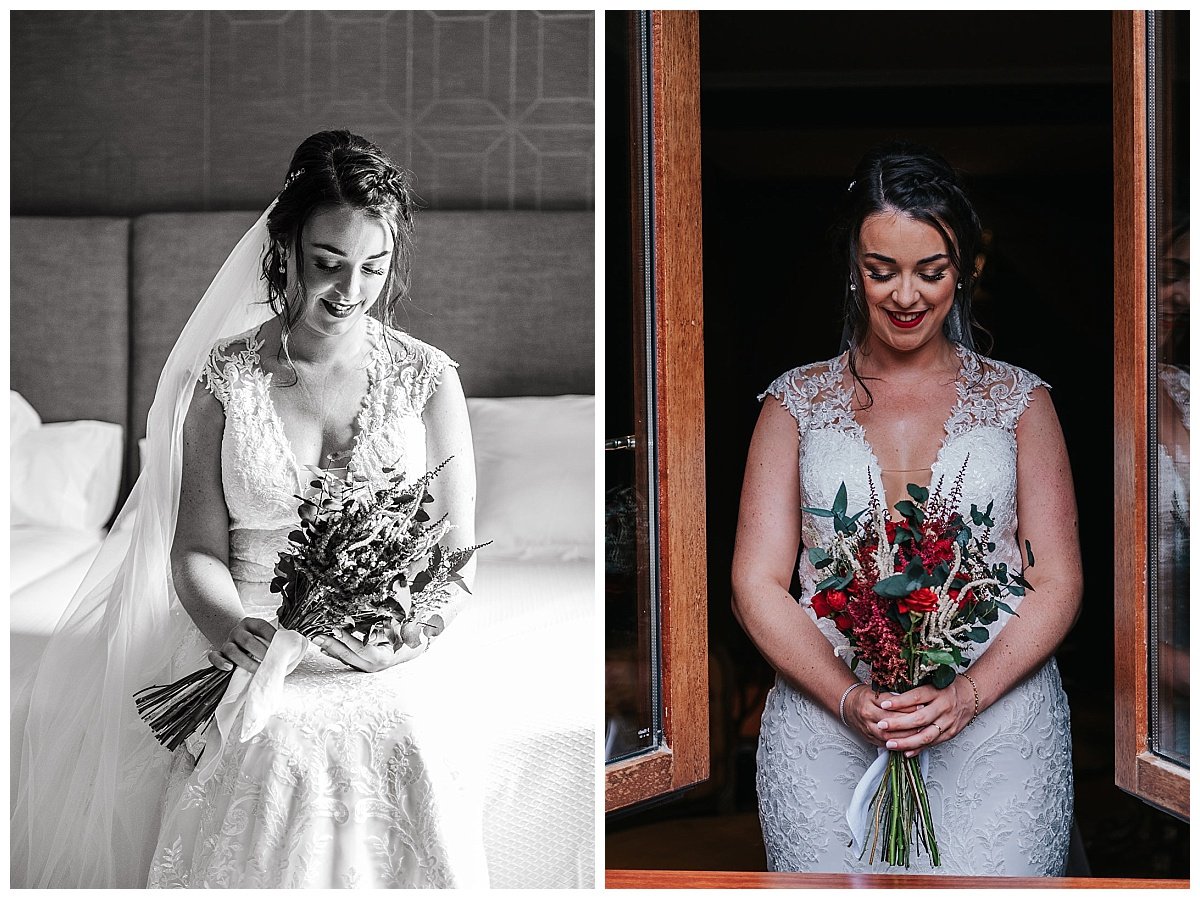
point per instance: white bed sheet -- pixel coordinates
(520, 660)
(522, 648)
(36, 552)
(48, 565)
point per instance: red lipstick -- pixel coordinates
(907, 324)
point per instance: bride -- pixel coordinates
(344, 785)
(910, 401)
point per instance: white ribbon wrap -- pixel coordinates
(858, 815)
(256, 694)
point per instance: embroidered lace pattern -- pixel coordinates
(1002, 790)
(344, 787)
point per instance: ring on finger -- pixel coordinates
(938, 726)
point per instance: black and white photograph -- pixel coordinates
(302, 449)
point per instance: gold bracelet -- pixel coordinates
(971, 681)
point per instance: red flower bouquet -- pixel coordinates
(912, 597)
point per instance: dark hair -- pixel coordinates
(337, 168)
(913, 180)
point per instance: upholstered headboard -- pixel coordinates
(98, 302)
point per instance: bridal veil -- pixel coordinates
(85, 809)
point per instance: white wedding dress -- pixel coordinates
(347, 785)
(1001, 791)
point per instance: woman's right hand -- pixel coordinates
(244, 646)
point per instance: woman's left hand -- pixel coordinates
(926, 716)
(347, 648)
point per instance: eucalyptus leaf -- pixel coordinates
(820, 513)
(943, 676)
(839, 501)
(895, 587)
(1029, 553)
(939, 656)
(917, 492)
(977, 634)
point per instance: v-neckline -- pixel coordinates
(955, 408)
(359, 419)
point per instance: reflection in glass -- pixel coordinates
(631, 647)
(1170, 241)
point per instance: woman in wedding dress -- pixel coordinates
(910, 401)
(287, 364)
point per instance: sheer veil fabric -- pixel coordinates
(85, 809)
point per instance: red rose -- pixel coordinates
(962, 599)
(837, 600)
(820, 604)
(891, 531)
(844, 622)
(923, 600)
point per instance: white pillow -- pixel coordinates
(66, 475)
(22, 417)
(535, 464)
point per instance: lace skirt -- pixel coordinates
(1001, 791)
(352, 783)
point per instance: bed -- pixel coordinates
(509, 295)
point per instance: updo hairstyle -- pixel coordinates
(337, 168)
(901, 177)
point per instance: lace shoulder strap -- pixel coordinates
(814, 394)
(993, 393)
(417, 366)
(226, 362)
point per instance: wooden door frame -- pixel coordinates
(681, 757)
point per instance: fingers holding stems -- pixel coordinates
(245, 646)
(908, 722)
(942, 716)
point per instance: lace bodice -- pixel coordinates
(260, 474)
(981, 432)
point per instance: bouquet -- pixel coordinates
(349, 565)
(912, 597)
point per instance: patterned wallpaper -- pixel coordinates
(126, 112)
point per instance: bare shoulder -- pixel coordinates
(1039, 418)
(447, 398)
(205, 410)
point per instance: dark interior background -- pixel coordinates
(1021, 104)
